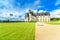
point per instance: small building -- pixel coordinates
(40, 17)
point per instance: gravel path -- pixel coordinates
(47, 32)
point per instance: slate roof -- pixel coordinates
(43, 13)
(37, 14)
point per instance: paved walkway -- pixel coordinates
(47, 32)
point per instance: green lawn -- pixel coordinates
(54, 22)
(17, 31)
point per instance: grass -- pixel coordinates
(17, 31)
(54, 22)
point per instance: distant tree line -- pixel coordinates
(1, 21)
(55, 19)
(52, 19)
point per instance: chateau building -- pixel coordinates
(40, 17)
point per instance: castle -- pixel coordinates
(40, 17)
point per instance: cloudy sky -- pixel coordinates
(20, 7)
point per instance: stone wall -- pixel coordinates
(44, 18)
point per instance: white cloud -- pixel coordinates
(6, 4)
(18, 3)
(41, 11)
(55, 13)
(35, 11)
(57, 2)
(10, 9)
(4, 14)
(7, 14)
(34, 5)
(36, 2)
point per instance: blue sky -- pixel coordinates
(20, 7)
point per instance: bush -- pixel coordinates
(55, 19)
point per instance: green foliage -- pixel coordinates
(54, 22)
(17, 31)
(55, 19)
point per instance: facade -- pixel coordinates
(40, 17)
(43, 17)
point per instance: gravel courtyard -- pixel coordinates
(47, 32)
